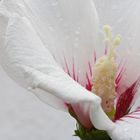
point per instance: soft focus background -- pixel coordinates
(24, 117)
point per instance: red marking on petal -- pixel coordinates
(82, 116)
(132, 117)
(67, 68)
(88, 77)
(90, 68)
(88, 85)
(125, 100)
(77, 78)
(106, 50)
(94, 56)
(73, 71)
(137, 111)
(120, 120)
(138, 108)
(119, 76)
(120, 65)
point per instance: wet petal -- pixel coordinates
(27, 61)
(66, 28)
(100, 120)
(123, 17)
(127, 99)
(128, 127)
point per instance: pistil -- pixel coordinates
(104, 72)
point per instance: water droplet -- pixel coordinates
(121, 138)
(60, 19)
(125, 129)
(76, 45)
(65, 25)
(29, 88)
(58, 14)
(54, 3)
(77, 32)
(76, 39)
(114, 7)
(67, 36)
(21, 5)
(50, 27)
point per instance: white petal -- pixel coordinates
(67, 28)
(127, 128)
(100, 120)
(3, 27)
(29, 63)
(124, 18)
(12, 6)
(136, 104)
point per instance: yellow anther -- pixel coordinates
(108, 32)
(107, 29)
(117, 40)
(111, 42)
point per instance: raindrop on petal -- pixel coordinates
(29, 88)
(54, 3)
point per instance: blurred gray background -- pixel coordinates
(24, 117)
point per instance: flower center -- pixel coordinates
(104, 72)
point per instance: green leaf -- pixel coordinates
(93, 134)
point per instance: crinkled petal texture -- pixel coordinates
(61, 28)
(50, 30)
(36, 33)
(128, 127)
(26, 60)
(29, 62)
